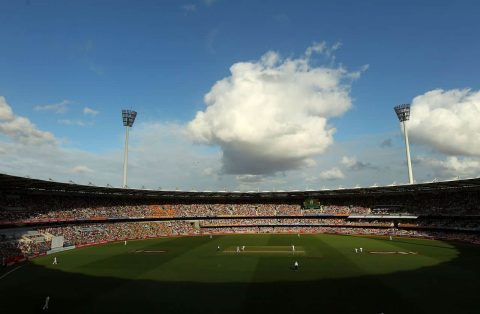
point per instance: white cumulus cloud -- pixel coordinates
(89, 111)
(71, 122)
(60, 107)
(331, 174)
(351, 163)
(81, 169)
(250, 178)
(447, 121)
(20, 129)
(272, 114)
(452, 166)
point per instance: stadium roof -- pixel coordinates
(21, 184)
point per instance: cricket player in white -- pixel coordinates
(361, 250)
(54, 261)
(356, 250)
(238, 249)
(293, 248)
(390, 238)
(45, 306)
(125, 243)
(295, 265)
(243, 248)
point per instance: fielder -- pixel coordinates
(45, 306)
(54, 261)
(295, 265)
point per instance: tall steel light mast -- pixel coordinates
(128, 119)
(403, 114)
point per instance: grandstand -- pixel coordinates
(39, 219)
(82, 214)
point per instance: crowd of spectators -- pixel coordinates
(22, 245)
(68, 209)
(294, 222)
(444, 224)
(454, 216)
(56, 213)
(84, 234)
(44, 208)
(93, 233)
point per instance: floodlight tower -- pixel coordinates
(403, 114)
(128, 119)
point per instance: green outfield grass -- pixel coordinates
(190, 275)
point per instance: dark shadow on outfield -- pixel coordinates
(451, 287)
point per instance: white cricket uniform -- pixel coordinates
(125, 242)
(54, 261)
(356, 250)
(361, 250)
(45, 306)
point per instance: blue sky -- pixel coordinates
(161, 58)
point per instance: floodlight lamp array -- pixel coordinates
(128, 117)
(403, 112)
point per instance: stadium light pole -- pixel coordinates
(128, 117)
(403, 114)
